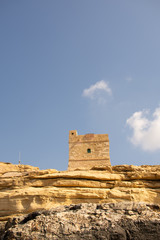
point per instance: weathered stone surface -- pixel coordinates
(86, 151)
(114, 221)
(24, 189)
(6, 168)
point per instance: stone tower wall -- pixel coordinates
(87, 151)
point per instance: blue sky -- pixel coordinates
(86, 65)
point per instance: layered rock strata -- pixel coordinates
(24, 189)
(113, 221)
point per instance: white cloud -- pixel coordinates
(146, 132)
(95, 91)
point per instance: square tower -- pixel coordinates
(87, 151)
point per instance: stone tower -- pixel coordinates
(87, 151)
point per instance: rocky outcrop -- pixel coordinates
(113, 221)
(24, 189)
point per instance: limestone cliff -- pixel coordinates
(112, 221)
(24, 189)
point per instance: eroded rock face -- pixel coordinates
(24, 189)
(113, 221)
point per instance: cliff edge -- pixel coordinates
(24, 189)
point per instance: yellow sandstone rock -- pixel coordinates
(24, 188)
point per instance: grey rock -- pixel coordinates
(112, 221)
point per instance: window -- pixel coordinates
(88, 150)
(72, 133)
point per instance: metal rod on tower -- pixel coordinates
(19, 157)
